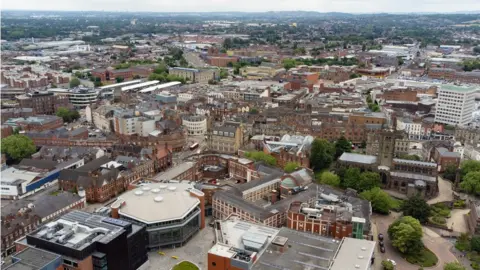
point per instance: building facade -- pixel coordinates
(195, 124)
(455, 105)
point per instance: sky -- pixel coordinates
(350, 6)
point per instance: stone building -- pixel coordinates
(227, 138)
(407, 177)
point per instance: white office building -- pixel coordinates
(455, 104)
(413, 129)
(195, 124)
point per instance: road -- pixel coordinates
(194, 60)
(433, 241)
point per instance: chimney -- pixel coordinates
(273, 196)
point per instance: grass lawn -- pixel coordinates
(185, 265)
(424, 258)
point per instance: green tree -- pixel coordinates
(331, 179)
(67, 115)
(342, 145)
(289, 63)
(416, 207)
(18, 147)
(450, 172)
(74, 82)
(469, 166)
(368, 180)
(351, 177)
(261, 156)
(291, 167)
(223, 73)
(387, 265)
(78, 74)
(406, 235)
(322, 154)
(119, 79)
(380, 200)
(453, 266)
(475, 243)
(136, 77)
(471, 183)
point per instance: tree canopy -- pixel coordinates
(342, 145)
(416, 207)
(261, 156)
(18, 147)
(329, 178)
(360, 181)
(67, 115)
(406, 235)
(380, 200)
(471, 183)
(74, 82)
(387, 265)
(453, 266)
(450, 172)
(291, 167)
(469, 166)
(322, 154)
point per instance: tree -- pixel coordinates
(261, 156)
(406, 235)
(469, 166)
(380, 200)
(476, 50)
(387, 265)
(453, 266)
(331, 179)
(342, 145)
(67, 115)
(416, 207)
(350, 178)
(74, 82)
(289, 63)
(253, 111)
(368, 180)
(471, 183)
(18, 147)
(450, 172)
(291, 167)
(136, 77)
(475, 243)
(223, 73)
(119, 79)
(322, 154)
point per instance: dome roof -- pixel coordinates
(288, 182)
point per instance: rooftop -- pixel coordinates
(292, 249)
(459, 89)
(158, 202)
(173, 172)
(358, 158)
(32, 259)
(353, 254)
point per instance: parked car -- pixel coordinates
(380, 243)
(382, 249)
(380, 237)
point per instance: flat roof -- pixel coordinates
(32, 259)
(140, 85)
(358, 158)
(158, 202)
(161, 86)
(12, 174)
(292, 249)
(173, 172)
(353, 254)
(120, 84)
(456, 88)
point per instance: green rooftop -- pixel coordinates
(457, 88)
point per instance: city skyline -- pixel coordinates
(348, 6)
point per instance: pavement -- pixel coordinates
(457, 220)
(438, 245)
(445, 192)
(195, 251)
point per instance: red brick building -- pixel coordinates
(221, 61)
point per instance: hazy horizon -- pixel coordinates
(323, 6)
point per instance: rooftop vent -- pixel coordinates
(172, 188)
(360, 256)
(138, 192)
(364, 248)
(163, 187)
(146, 188)
(158, 199)
(357, 266)
(155, 190)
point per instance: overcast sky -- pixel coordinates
(352, 6)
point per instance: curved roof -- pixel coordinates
(289, 182)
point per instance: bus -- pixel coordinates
(193, 146)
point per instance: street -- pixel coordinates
(433, 241)
(194, 60)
